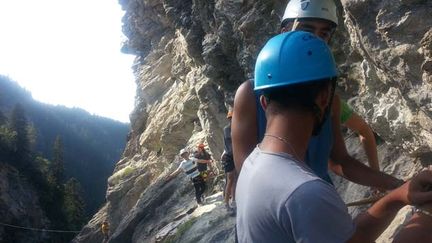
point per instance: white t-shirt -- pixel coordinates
(280, 200)
(190, 167)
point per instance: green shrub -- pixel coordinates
(120, 175)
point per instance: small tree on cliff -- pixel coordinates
(55, 201)
(7, 139)
(74, 204)
(18, 125)
(57, 166)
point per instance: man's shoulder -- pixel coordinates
(206, 155)
(279, 169)
(245, 93)
(182, 162)
(316, 187)
(319, 196)
(247, 85)
(323, 205)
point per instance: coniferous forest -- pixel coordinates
(66, 153)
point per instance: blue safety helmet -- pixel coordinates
(292, 58)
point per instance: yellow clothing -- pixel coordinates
(105, 228)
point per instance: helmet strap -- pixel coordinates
(295, 24)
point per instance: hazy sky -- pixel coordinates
(68, 52)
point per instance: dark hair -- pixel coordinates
(287, 22)
(299, 97)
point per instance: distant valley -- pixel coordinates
(92, 144)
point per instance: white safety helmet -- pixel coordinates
(321, 9)
(182, 151)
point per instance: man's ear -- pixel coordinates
(263, 102)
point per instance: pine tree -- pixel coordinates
(57, 166)
(32, 136)
(18, 124)
(7, 139)
(74, 204)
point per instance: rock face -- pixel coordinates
(20, 207)
(394, 41)
(191, 56)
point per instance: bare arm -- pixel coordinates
(344, 165)
(244, 124)
(172, 175)
(373, 222)
(418, 228)
(367, 138)
(204, 161)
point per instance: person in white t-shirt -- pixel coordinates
(189, 166)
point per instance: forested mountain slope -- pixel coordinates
(92, 144)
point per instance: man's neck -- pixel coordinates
(288, 133)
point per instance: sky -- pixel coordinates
(67, 52)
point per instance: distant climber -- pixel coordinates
(204, 156)
(105, 230)
(189, 166)
(228, 165)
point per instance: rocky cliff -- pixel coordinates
(20, 208)
(190, 57)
